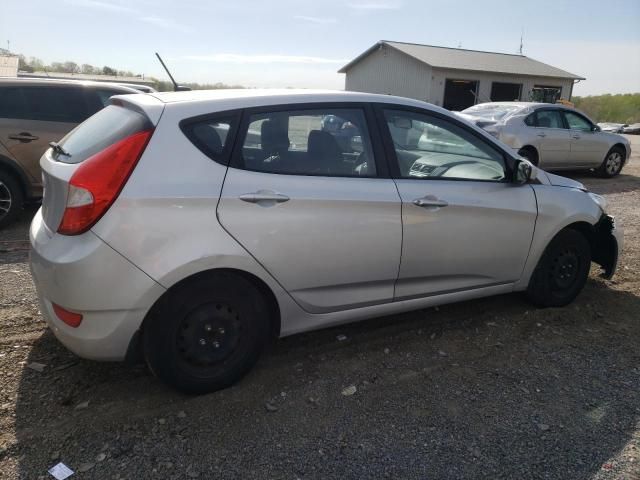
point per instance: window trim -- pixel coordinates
(377, 148)
(390, 151)
(224, 158)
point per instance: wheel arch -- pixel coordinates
(531, 148)
(604, 247)
(9, 166)
(134, 351)
(622, 147)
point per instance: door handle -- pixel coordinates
(542, 135)
(577, 137)
(264, 197)
(430, 201)
(23, 137)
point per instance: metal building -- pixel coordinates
(453, 77)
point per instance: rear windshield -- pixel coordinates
(103, 129)
(491, 112)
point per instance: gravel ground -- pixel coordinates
(491, 388)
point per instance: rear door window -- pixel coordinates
(549, 119)
(103, 129)
(56, 104)
(322, 142)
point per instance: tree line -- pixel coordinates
(620, 108)
(34, 64)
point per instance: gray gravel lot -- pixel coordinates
(491, 388)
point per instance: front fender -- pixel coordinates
(558, 207)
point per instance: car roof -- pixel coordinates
(14, 81)
(250, 96)
(513, 104)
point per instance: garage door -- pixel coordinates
(459, 94)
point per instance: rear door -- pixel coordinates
(306, 195)
(33, 116)
(588, 147)
(554, 142)
(465, 224)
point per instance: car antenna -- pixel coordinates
(176, 87)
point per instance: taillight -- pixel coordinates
(70, 318)
(98, 181)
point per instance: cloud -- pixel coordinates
(317, 20)
(245, 59)
(376, 5)
(165, 23)
(102, 5)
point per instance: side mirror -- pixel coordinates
(596, 128)
(523, 172)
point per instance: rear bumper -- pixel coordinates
(84, 275)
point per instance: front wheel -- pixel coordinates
(207, 333)
(562, 271)
(612, 163)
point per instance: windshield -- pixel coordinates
(491, 112)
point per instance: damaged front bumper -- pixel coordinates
(607, 244)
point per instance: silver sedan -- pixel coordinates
(554, 137)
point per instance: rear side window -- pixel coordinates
(56, 104)
(213, 136)
(103, 129)
(12, 103)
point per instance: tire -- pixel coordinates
(207, 333)
(612, 163)
(11, 199)
(530, 154)
(562, 270)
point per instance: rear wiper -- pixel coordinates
(58, 149)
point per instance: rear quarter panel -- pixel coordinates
(164, 220)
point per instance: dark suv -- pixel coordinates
(32, 114)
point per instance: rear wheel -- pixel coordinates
(562, 271)
(530, 154)
(11, 198)
(612, 163)
(207, 334)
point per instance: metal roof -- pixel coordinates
(475, 60)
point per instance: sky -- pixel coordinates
(288, 43)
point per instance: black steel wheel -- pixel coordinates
(562, 271)
(207, 332)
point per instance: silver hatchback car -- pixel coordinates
(191, 228)
(554, 137)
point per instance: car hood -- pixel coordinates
(558, 181)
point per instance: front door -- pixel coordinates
(303, 195)
(588, 148)
(465, 225)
